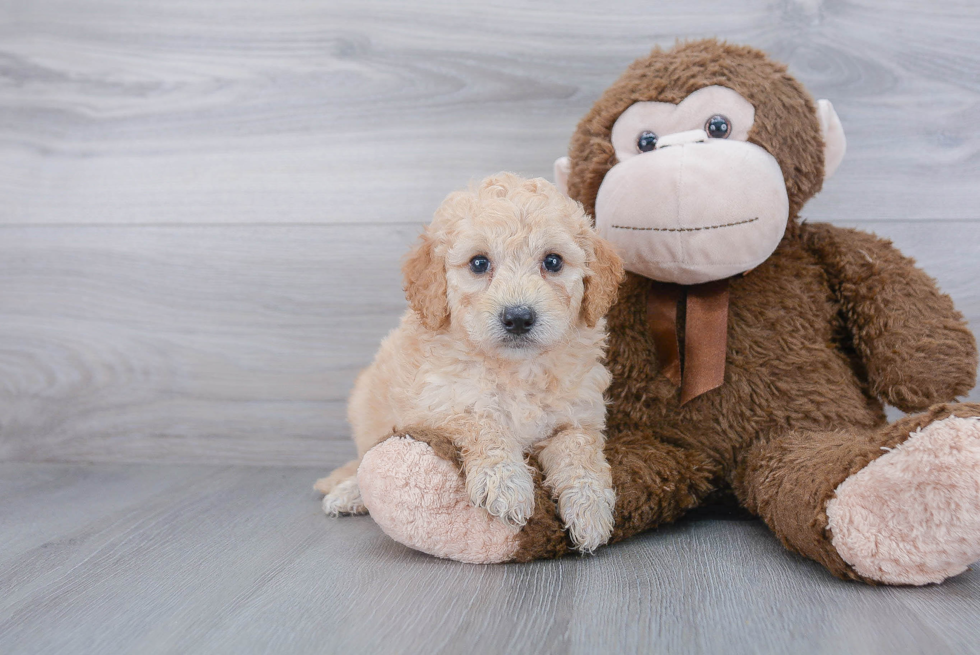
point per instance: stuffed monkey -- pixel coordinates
(751, 352)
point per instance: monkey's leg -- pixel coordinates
(898, 504)
(412, 484)
(655, 482)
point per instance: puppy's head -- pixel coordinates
(512, 264)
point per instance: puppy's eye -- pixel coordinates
(479, 264)
(552, 263)
(646, 142)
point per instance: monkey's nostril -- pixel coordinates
(517, 320)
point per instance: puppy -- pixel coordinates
(502, 350)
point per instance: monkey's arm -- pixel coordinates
(915, 345)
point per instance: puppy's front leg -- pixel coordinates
(579, 477)
(497, 477)
(341, 495)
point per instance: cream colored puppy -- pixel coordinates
(502, 350)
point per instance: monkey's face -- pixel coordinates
(696, 158)
(690, 199)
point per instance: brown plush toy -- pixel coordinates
(751, 352)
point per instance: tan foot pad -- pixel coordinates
(913, 515)
(419, 500)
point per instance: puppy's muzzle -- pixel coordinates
(517, 320)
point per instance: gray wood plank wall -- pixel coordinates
(203, 205)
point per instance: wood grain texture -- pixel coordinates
(202, 209)
(134, 111)
(233, 344)
(189, 343)
(148, 559)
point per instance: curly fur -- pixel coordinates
(425, 283)
(832, 326)
(451, 365)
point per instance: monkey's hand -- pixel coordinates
(915, 345)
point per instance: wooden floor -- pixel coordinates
(203, 204)
(116, 558)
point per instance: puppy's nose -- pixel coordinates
(517, 320)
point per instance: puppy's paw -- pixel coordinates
(587, 510)
(505, 490)
(344, 499)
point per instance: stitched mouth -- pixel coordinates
(686, 229)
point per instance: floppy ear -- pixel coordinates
(602, 283)
(425, 284)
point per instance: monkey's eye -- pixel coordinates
(646, 142)
(552, 263)
(479, 264)
(718, 127)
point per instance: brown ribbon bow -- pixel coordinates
(705, 334)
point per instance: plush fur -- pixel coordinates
(786, 123)
(912, 516)
(451, 364)
(834, 324)
(449, 525)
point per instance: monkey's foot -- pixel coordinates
(912, 516)
(420, 500)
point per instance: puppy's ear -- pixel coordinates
(425, 283)
(602, 282)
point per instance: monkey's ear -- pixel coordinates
(602, 283)
(833, 137)
(563, 166)
(425, 283)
